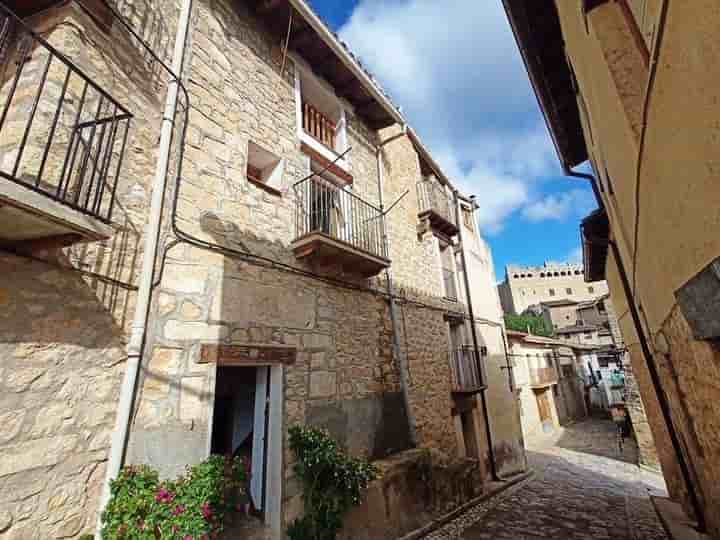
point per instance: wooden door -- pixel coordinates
(544, 409)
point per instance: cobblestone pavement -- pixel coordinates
(583, 488)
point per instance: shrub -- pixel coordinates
(190, 507)
(332, 481)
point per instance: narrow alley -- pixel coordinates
(582, 488)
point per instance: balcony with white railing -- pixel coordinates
(335, 227)
(62, 140)
(436, 205)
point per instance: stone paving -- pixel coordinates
(583, 488)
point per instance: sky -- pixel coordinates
(454, 69)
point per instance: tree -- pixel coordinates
(535, 324)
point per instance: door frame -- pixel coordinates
(274, 442)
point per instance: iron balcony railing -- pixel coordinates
(60, 133)
(543, 376)
(323, 207)
(467, 369)
(449, 284)
(432, 197)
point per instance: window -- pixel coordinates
(591, 290)
(264, 168)
(467, 218)
(555, 390)
(568, 291)
(601, 307)
(551, 292)
(587, 335)
(322, 125)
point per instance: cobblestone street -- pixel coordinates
(583, 488)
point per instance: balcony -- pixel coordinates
(544, 376)
(62, 140)
(437, 206)
(318, 126)
(467, 372)
(335, 227)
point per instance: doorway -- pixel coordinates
(543, 403)
(240, 423)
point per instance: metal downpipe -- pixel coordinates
(473, 331)
(137, 334)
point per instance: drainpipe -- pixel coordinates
(473, 331)
(397, 349)
(651, 364)
(142, 307)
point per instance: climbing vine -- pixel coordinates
(332, 482)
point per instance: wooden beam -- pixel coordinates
(324, 162)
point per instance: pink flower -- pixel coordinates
(163, 495)
(187, 537)
(206, 511)
(179, 509)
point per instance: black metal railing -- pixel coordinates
(323, 207)
(60, 133)
(449, 284)
(432, 197)
(467, 369)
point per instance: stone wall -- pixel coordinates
(62, 358)
(63, 333)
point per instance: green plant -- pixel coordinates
(535, 324)
(190, 507)
(332, 482)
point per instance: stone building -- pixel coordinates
(631, 87)
(550, 379)
(529, 286)
(311, 266)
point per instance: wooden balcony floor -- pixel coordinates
(324, 250)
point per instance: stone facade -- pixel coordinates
(66, 313)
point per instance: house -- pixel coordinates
(551, 381)
(216, 225)
(630, 87)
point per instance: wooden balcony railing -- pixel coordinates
(318, 126)
(466, 369)
(543, 376)
(435, 203)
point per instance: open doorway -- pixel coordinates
(240, 423)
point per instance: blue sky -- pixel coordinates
(454, 68)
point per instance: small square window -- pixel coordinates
(568, 291)
(264, 168)
(551, 292)
(591, 290)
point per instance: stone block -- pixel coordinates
(195, 331)
(192, 399)
(36, 453)
(11, 423)
(185, 278)
(323, 384)
(190, 311)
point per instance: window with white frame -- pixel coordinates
(322, 124)
(264, 167)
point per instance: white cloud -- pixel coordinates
(576, 202)
(575, 256)
(455, 69)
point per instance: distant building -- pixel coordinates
(528, 286)
(551, 378)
